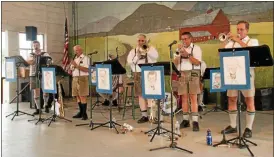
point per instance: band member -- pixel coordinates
(34, 79)
(241, 40)
(117, 86)
(138, 56)
(80, 84)
(188, 63)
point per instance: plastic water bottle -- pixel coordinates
(113, 120)
(209, 138)
(177, 128)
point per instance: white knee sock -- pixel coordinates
(185, 116)
(144, 113)
(195, 116)
(249, 119)
(233, 118)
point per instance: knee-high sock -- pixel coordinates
(46, 99)
(249, 119)
(185, 116)
(233, 118)
(195, 116)
(144, 113)
(37, 103)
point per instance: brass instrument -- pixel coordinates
(60, 99)
(223, 37)
(144, 49)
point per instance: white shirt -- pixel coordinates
(185, 63)
(83, 61)
(246, 40)
(32, 69)
(133, 60)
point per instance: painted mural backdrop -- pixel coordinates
(106, 25)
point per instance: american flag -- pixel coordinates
(65, 61)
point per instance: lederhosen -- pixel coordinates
(137, 79)
(189, 77)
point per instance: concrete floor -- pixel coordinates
(63, 139)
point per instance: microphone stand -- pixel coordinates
(173, 144)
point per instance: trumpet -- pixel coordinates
(144, 49)
(223, 37)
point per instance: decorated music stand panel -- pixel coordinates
(49, 80)
(11, 70)
(215, 81)
(153, 83)
(235, 72)
(104, 78)
(92, 75)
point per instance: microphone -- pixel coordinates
(92, 53)
(174, 42)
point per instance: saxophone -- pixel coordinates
(60, 100)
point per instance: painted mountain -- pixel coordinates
(103, 25)
(250, 11)
(150, 18)
(187, 6)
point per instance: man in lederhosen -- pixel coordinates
(80, 84)
(188, 63)
(134, 58)
(236, 41)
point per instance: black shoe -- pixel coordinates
(155, 121)
(84, 112)
(195, 126)
(143, 120)
(247, 133)
(229, 130)
(105, 103)
(114, 103)
(184, 124)
(36, 112)
(46, 109)
(79, 114)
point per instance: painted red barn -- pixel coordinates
(206, 26)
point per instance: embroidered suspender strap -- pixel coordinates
(192, 55)
(248, 42)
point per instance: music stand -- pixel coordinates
(259, 56)
(59, 72)
(19, 62)
(158, 129)
(169, 67)
(117, 69)
(207, 77)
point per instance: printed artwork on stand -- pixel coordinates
(49, 80)
(10, 70)
(215, 81)
(103, 78)
(235, 72)
(153, 82)
(92, 75)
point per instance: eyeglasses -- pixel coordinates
(141, 40)
(241, 29)
(185, 38)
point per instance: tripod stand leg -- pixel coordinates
(64, 119)
(26, 113)
(158, 148)
(183, 149)
(150, 130)
(209, 111)
(11, 114)
(247, 147)
(153, 135)
(250, 142)
(100, 125)
(113, 126)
